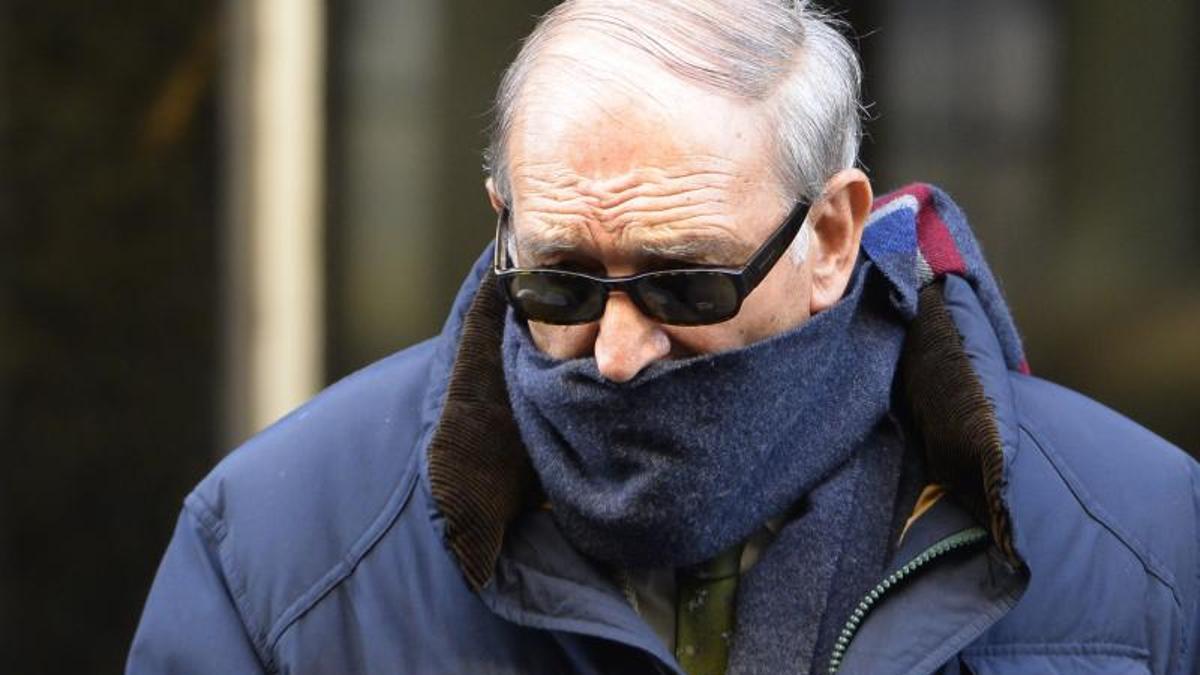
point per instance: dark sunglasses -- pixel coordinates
(685, 297)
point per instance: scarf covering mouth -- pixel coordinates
(693, 455)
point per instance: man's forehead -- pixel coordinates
(661, 167)
(682, 177)
(616, 161)
(713, 245)
(652, 200)
(647, 186)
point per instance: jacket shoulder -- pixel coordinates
(307, 496)
(1107, 504)
(1118, 470)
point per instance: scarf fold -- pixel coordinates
(794, 602)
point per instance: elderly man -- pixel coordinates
(704, 407)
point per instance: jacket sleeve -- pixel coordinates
(191, 623)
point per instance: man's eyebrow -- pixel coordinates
(718, 250)
(540, 246)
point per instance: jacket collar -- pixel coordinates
(478, 470)
(962, 425)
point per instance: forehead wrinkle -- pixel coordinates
(559, 208)
(699, 236)
(693, 188)
(644, 190)
(672, 223)
(721, 167)
(644, 194)
(648, 179)
(654, 210)
(546, 175)
(680, 219)
(550, 186)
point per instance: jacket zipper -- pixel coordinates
(955, 541)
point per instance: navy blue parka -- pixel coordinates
(390, 525)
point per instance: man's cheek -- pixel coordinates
(564, 342)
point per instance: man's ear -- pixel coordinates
(493, 196)
(837, 221)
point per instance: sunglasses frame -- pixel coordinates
(744, 279)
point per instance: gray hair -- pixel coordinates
(785, 55)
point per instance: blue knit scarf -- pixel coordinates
(693, 455)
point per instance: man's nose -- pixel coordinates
(628, 340)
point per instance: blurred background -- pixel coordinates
(210, 210)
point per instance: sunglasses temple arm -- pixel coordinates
(498, 253)
(774, 248)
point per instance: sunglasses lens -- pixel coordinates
(556, 298)
(689, 297)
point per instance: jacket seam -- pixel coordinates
(306, 601)
(1151, 564)
(216, 532)
(1063, 648)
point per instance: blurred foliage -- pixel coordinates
(108, 316)
(1075, 158)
